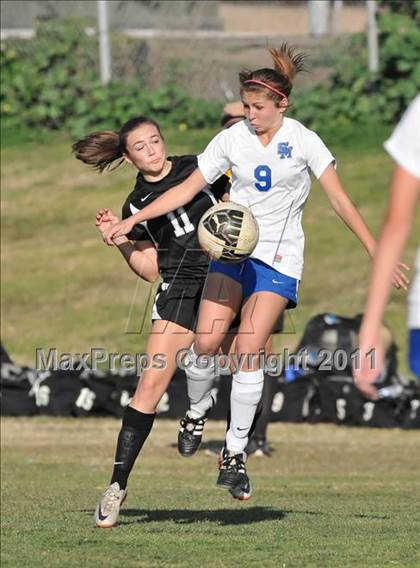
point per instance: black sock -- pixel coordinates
(135, 429)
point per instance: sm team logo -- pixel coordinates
(284, 150)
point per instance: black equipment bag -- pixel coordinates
(56, 392)
(329, 345)
(320, 388)
(292, 401)
(16, 389)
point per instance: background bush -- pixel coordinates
(52, 82)
(57, 87)
(354, 98)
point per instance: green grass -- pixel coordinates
(63, 288)
(329, 497)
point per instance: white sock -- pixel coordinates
(247, 387)
(200, 379)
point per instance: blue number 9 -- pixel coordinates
(263, 176)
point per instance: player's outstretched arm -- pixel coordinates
(346, 210)
(175, 197)
(141, 256)
(404, 193)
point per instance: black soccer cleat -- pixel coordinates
(233, 476)
(190, 435)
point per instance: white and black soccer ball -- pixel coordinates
(228, 232)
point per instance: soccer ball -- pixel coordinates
(228, 232)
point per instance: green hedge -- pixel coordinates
(355, 99)
(51, 82)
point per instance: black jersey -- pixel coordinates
(175, 234)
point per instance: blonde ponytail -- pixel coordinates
(287, 62)
(277, 83)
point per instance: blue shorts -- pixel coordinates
(256, 276)
(414, 351)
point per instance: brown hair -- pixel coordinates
(287, 63)
(101, 149)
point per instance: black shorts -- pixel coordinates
(179, 302)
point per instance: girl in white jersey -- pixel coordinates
(270, 157)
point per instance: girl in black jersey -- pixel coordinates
(166, 246)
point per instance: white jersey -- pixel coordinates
(273, 181)
(404, 143)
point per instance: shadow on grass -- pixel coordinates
(241, 516)
(244, 516)
(210, 447)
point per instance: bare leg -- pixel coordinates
(154, 382)
(139, 415)
(221, 301)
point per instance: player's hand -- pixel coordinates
(105, 218)
(367, 368)
(399, 278)
(119, 230)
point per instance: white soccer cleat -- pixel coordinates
(108, 508)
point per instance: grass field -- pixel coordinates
(329, 497)
(63, 288)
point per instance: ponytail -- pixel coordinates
(277, 83)
(99, 150)
(287, 62)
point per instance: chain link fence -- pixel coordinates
(199, 45)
